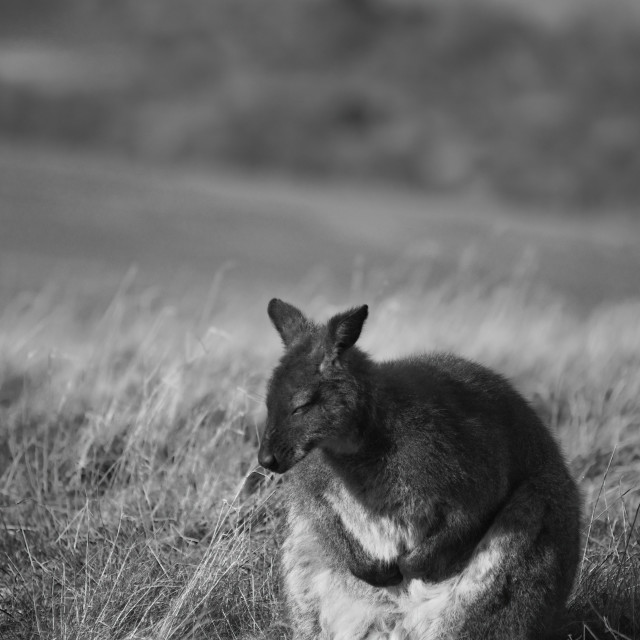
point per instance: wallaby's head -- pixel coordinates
(317, 393)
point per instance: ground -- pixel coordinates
(134, 349)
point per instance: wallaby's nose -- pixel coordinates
(267, 460)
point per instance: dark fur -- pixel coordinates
(436, 441)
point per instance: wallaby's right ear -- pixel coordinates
(343, 330)
(289, 321)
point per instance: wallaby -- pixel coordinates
(426, 499)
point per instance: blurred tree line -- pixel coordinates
(441, 94)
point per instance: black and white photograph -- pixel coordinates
(319, 320)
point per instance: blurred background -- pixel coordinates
(311, 143)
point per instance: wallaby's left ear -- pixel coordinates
(288, 320)
(344, 329)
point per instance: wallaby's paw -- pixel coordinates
(380, 576)
(413, 568)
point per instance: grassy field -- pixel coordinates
(130, 408)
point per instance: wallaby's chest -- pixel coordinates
(382, 537)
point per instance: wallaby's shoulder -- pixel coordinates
(444, 370)
(447, 385)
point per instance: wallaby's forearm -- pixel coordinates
(435, 558)
(446, 544)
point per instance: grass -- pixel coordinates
(129, 501)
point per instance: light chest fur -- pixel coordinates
(347, 608)
(338, 606)
(382, 537)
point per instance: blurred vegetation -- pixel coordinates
(442, 95)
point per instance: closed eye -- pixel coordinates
(301, 408)
(303, 400)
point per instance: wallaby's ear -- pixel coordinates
(344, 329)
(288, 320)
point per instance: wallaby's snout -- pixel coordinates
(266, 457)
(275, 457)
(271, 455)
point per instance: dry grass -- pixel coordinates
(127, 443)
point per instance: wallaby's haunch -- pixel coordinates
(426, 500)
